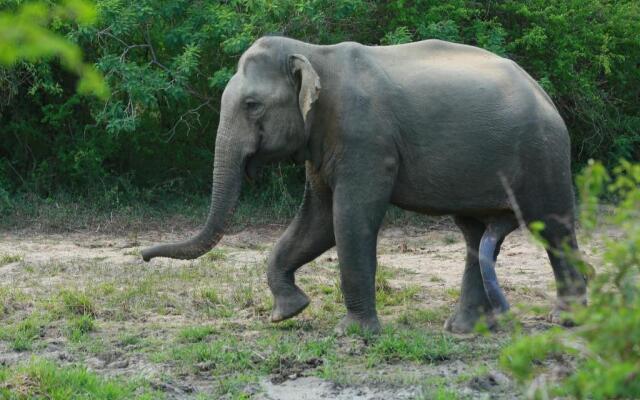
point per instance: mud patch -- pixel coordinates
(313, 388)
(292, 369)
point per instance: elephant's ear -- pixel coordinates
(307, 81)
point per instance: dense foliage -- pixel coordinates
(24, 35)
(167, 62)
(603, 351)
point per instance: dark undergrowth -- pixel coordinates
(122, 208)
(64, 212)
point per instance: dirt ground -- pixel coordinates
(157, 322)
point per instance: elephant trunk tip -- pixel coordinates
(187, 250)
(146, 254)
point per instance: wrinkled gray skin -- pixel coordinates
(433, 127)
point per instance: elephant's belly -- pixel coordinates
(457, 194)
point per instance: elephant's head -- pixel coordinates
(265, 112)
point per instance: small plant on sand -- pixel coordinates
(9, 258)
(603, 350)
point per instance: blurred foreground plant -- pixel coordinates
(604, 350)
(25, 36)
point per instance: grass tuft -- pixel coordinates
(78, 327)
(23, 334)
(10, 258)
(418, 317)
(76, 302)
(42, 379)
(216, 254)
(194, 334)
(413, 345)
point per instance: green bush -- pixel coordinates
(604, 349)
(168, 62)
(24, 36)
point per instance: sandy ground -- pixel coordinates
(431, 259)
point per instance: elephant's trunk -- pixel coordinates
(228, 172)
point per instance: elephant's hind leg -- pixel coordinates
(309, 235)
(563, 252)
(483, 246)
(496, 231)
(473, 302)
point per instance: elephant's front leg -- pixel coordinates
(358, 213)
(309, 235)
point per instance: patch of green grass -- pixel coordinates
(236, 362)
(210, 301)
(452, 292)
(223, 355)
(435, 389)
(129, 339)
(24, 333)
(77, 302)
(383, 275)
(450, 238)
(540, 310)
(395, 297)
(216, 254)
(386, 294)
(243, 296)
(133, 252)
(106, 289)
(10, 300)
(477, 371)
(235, 386)
(412, 345)
(194, 334)
(42, 379)
(142, 295)
(10, 258)
(210, 296)
(417, 317)
(292, 346)
(79, 326)
(320, 347)
(94, 345)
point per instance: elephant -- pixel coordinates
(433, 127)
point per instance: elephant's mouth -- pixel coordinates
(251, 168)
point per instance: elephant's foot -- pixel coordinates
(290, 305)
(363, 324)
(560, 313)
(465, 321)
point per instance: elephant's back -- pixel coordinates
(469, 123)
(441, 91)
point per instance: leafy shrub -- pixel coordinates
(168, 62)
(604, 347)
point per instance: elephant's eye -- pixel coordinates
(253, 107)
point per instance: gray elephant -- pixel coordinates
(434, 127)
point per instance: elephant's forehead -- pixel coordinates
(259, 62)
(259, 76)
(259, 85)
